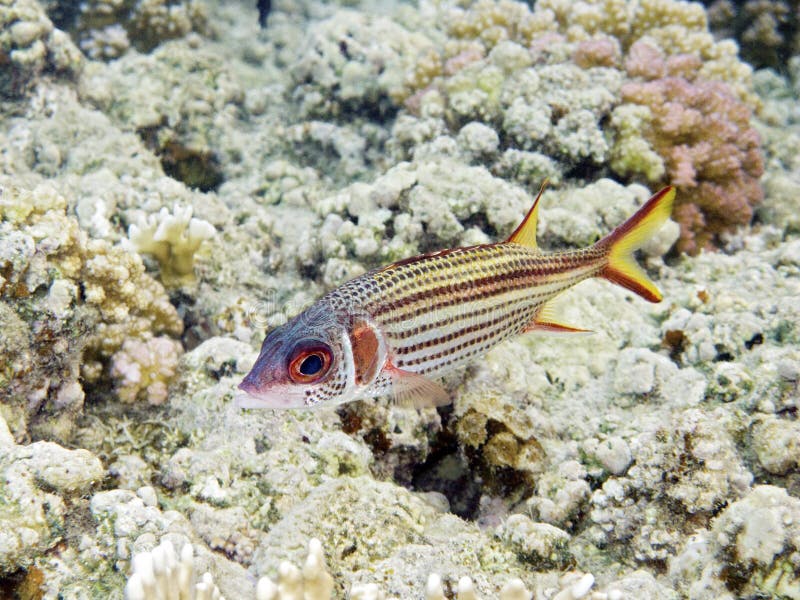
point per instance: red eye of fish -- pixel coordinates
(309, 365)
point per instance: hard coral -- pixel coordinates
(701, 132)
(105, 29)
(144, 368)
(766, 30)
(67, 303)
(173, 238)
(30, 45)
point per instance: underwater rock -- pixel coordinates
(751, 549)
(39, 484)
(539, 544)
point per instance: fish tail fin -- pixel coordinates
(621, 243)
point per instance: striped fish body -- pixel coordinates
(391, 330)
(437, 311)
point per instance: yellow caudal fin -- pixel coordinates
(621, 243)
(525, 233)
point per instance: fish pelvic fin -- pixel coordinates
(525, 233)
(621, 243)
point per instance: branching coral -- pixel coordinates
(767, 30)
(173, 239)
(550, 80)
(160, 575)
(702, 135)
(352, 61)
(312, 581)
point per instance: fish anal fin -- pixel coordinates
(525, 233)
(364, 342)
(548, 320)
(412, 390)
(554, 327)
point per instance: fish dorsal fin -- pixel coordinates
(412, 390)
(525, 233)
(547, 320)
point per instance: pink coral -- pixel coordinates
(144, 368)
(703, 133)
(598, 52)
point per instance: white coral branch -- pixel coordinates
(159, 575)
(172, 238)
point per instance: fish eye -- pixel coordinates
(310, 364)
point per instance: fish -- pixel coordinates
(393, 330)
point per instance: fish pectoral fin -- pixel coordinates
(547, 320)
(412, 390)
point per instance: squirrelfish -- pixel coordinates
(392, 329)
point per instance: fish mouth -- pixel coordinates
(245, 399)
(250, 396)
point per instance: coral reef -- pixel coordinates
(757, 540)
(545, 81)
(173, 239)
(161, 575)
(767, 31)
(38, 483)
(175, 115)
(312, 581)
(210, 186)
(85, 298)
(143, 368)
(352, 62)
